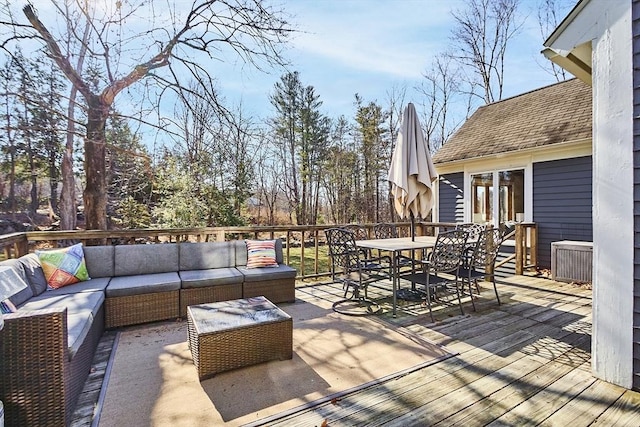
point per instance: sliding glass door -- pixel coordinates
(507, 204)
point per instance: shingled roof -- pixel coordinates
(549, 115)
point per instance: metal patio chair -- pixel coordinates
(349, 268)
(386, 230)
(379, 262)
(445, 258)
(480, 262)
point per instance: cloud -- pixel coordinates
(392, 38)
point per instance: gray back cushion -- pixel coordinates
(99, 260)
(203, 256)
(145, 259)
(34, 274)
(24, 293)
(241, 252)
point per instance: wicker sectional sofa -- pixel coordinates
(47, 346)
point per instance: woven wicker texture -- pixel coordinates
(207, 294)
(282, 290)
(34, 355)
(219, 351)
(135, 309)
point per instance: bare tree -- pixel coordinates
(441, 91)
(396, 100)
(550, 13)
(68, 208)
(269, 176)
(174, 45)
(480, 38)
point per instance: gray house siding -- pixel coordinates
(451, 197)
(562, 203)
(635, 14)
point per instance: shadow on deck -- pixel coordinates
(525, 362)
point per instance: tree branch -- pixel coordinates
(55, 53)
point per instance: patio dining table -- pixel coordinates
(395, 246)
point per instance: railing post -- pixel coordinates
(534, 245)
(302, 252)
(220, 235)
(22, 246)
(488, 266)
(520, 249)
(288, 247)
(315, 239)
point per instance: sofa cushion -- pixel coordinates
(143, 284)
(63, 266)
(241, 252)
(33, 272)
(95, 284)
(13, 282)
(133, 260)
(78, 327)
(272, 273)
(210, 277)
(99, 260)
(202, 256)
(81, 302)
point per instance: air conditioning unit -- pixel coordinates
(571, 261)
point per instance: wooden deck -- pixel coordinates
(526, 362)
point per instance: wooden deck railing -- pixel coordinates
(308, 241)
(525, 237)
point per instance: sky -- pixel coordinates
(344, 47)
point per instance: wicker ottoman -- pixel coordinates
(232, 334)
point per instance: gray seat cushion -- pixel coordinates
(132, 260)
(94, 284)
(202, 256)
(78, 326)
(143, 284)
(75, 303)
(99, 260)
(268, 273)
(210, 277)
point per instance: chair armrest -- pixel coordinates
(34, 358)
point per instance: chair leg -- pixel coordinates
(429, 298)
(495, 288)
(459, 300)
(473, 303)
(429, 304)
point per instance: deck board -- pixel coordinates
(526, 362)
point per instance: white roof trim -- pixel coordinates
(565, 150)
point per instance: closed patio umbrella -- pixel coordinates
(411, 172)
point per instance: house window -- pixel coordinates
(511, 203)
(482, 193)
(507, 204)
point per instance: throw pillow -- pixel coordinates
(64, 266)
(261, 253)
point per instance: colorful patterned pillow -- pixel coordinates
(64, 266)
(261, 253)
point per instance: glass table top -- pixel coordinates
(234, 314)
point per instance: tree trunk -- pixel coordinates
(68, 215)
(33, 203)
(95, 191)
(53, 183)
